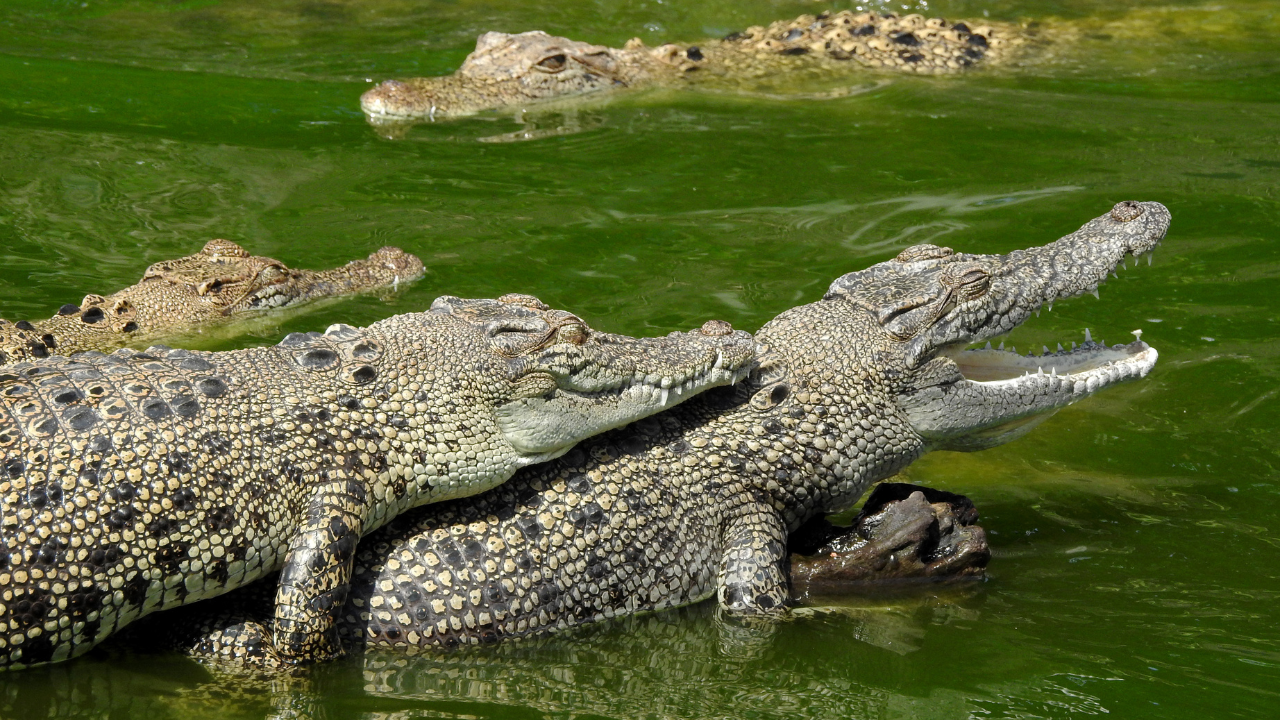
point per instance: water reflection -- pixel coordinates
(686, 663)
(689, 662)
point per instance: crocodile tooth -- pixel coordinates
(1044, 349)
(1050, 306)
(1149, 256)
(988, 347)
(1059, 347)
(664, 396)
(1088, 337)
(1001, 345)
(1095, 294)
(1073, 345)
(719, 361)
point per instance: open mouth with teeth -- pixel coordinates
(994, 394)
(1081, 369)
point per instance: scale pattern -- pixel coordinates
(141, 481)
(698, 502)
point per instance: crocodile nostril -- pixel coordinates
(1126, 211)
(716, 328)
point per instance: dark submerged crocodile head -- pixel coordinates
(930, 303)
(217, 285)
(565, 382)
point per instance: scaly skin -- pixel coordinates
(698, 502)
(136, 482)
(527, 68)
(219, 284)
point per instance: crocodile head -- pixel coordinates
(566, 381)
(212, 287)
(503, 70)
(931, 303)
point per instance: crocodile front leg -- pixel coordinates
(753, 570)
(317, 573)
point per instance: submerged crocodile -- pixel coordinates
(517, 70)
(140, 481)
(219, 284)
(699, 501)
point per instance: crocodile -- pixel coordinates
(142, 481)
(516, 70)
(220, 284)
(698, 502)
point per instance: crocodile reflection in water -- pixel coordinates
(686, 662)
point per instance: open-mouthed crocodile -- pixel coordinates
(698, 502)
(527, 68)
(141, 481)
(220, 284)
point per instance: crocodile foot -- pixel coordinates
(904, 532)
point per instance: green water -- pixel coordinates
(1136, 535)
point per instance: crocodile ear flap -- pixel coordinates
(516, 336)
(906, 317)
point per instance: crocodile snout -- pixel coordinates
(389, 98)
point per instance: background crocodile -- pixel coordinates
(516, 70)
(136, 482)
(699, 501)
(219, 284)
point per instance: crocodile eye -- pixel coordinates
(573, 333)
(552, 63)
(975, 283)
(270, 274)
(968, 280)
